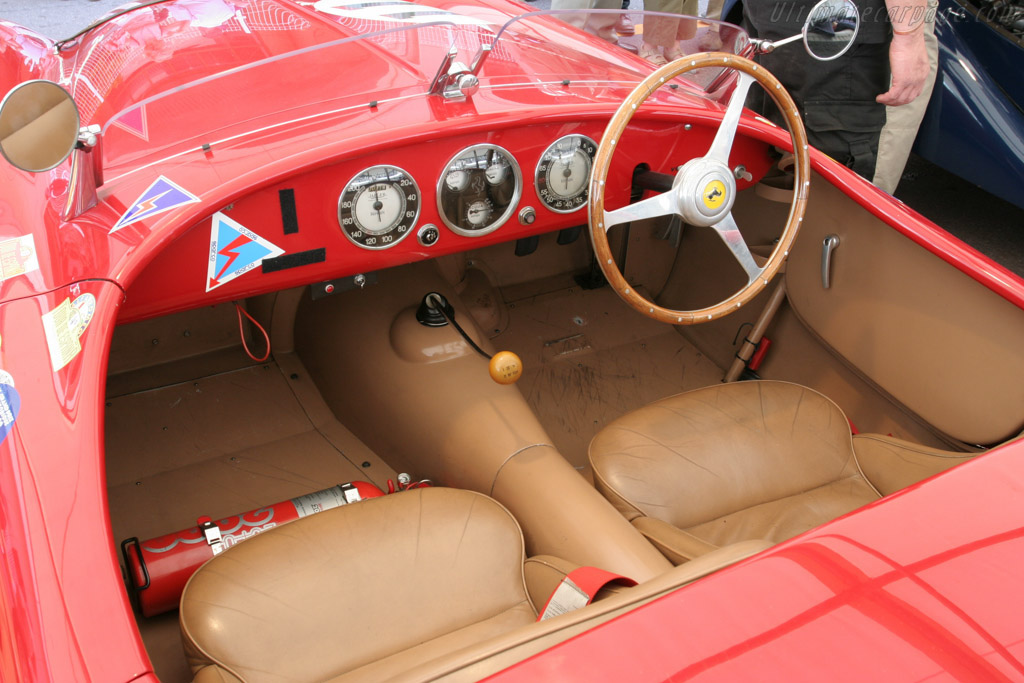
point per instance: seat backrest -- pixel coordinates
(703, 455)
(355, 585)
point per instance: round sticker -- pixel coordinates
(84, 308)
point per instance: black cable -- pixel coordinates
(435, 298)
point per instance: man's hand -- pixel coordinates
(908, 61)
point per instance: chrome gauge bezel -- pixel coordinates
(494, 221)
(404, 224)
(558, 203)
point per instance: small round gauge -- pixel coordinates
(563, 173)
(478, 190)
(379, 207)
(457, 180)
(479, 212)
(496, 172)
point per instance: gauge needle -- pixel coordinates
(567, 173)
(378, 206)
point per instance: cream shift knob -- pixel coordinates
(505, 367)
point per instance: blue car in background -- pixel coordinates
(974, 125)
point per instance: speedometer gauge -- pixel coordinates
(379, 207)
(563, 173)
(478, 190)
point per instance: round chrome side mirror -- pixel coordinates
(39, 125)
(831, 28)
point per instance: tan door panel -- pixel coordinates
(939, 342)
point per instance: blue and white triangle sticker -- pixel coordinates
(234, 251)
(163, 195)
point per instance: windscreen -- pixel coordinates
(372, 60)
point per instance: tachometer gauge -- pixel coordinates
(379, 207)
(478, 190)
(563, 173)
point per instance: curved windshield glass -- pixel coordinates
(403, 57)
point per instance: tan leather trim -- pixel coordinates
(214, 674)
(685, 460)
(450, 561)
(733, 462)
(781, 519)
(936, 340)
(628, 510)
(588, 531)
(893, 464)
(483, 659)
(507, 460)
(408, 661)
(674, 543)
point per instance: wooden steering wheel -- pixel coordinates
(704, 188)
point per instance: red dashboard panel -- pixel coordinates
(289, 234)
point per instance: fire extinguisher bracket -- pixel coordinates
(211, 532)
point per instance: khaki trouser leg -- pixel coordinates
(901, 123)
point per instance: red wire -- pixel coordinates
(241, 331)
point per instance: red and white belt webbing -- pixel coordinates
(578, 589)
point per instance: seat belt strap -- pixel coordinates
(578, 589)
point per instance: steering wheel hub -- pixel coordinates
(706, 191)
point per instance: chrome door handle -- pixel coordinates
(827, 247)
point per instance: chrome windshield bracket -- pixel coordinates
(454, 80)
(443, 72)
(481, 57)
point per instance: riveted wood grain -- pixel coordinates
(602, 163)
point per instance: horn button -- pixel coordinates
(706, 190)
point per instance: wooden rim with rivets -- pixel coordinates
(602, 162)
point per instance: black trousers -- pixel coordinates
(836, 98)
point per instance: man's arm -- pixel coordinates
(908, 58)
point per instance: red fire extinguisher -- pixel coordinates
(159, 568)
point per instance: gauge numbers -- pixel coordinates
(564, 173)
(478, 190)
(379, 207)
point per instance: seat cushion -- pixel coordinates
(427, 571)
(733, 462)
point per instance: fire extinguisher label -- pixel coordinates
(312, 503)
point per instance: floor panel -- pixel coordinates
(589, 358)
(219, 446)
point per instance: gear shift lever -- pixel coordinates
(505, 367)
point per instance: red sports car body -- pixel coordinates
(236, 140)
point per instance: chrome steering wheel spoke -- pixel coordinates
(730, 234)
(722, 144)
(664, 204)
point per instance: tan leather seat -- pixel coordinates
(728, 463)
(365, 591)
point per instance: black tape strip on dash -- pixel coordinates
(289, 218)
(299, 258)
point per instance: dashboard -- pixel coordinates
(477, 191)
(409, 202)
